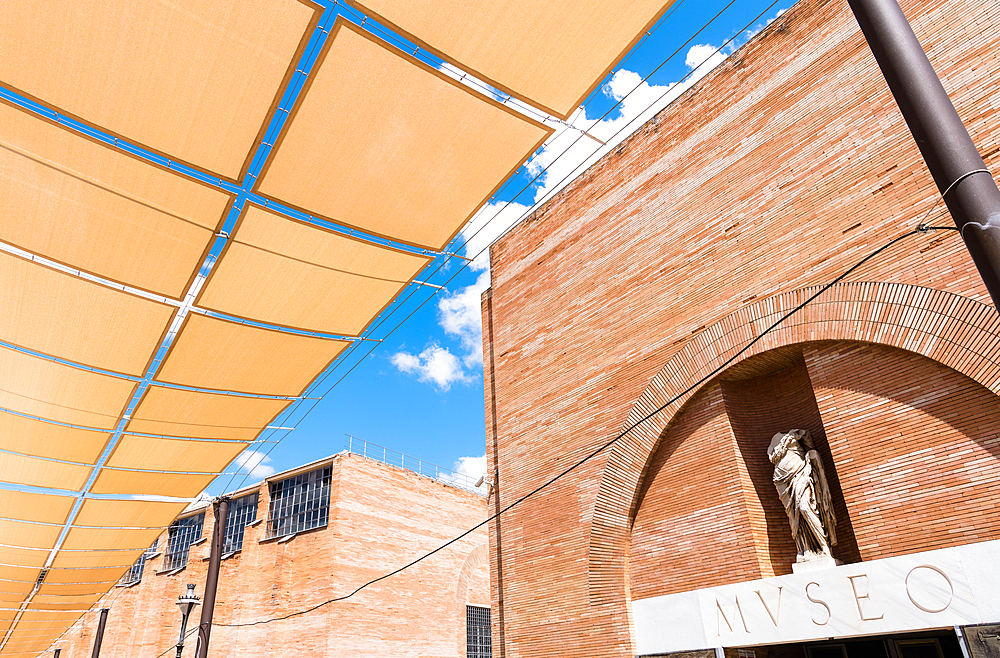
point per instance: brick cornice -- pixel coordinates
(953, 330)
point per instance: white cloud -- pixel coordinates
(254, 462)
(460, 315)
(435, 364)
(472, 468)
(701, 53)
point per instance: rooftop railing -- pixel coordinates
(394, 458)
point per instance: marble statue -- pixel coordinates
(802, 487)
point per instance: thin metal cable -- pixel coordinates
(617, 438)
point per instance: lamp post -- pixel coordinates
(186, 602)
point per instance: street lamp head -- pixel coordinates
(187, 601)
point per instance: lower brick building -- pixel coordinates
(622, 306)
(298, 539)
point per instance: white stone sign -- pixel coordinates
(934, 589)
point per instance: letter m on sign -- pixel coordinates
(721, 618)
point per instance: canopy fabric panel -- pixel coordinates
(24, 574)
(153, 453)
(37, 627)
(43, 599)
(47, 605)
(127, 513)
(75, 588)
(544, 52)
(34, 638)
(74, 319)
(372, 120)
(39, 387)
(9, 599)
(16, 586)
(105, 575)
(33, 643)
(229, 356)
(45, 615)
(19, 469)
(26, 645)
(36, 437)
(27, 535)
(178, 412)
(95, 539)
(297, 275)
(95, 559)
(103, 62)
(94, 208)
(178, 485)
(24, 557)
(25, 506)
(32, 646)
(18, 647)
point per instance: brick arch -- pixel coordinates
(953, 330)
(478, 558)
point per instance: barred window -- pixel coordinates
(180, 535)
(479, 642)
(134, 574)
(299, 503)
(242, 512)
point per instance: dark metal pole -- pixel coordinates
(57, 652)
(100, 633)
(212, 579)
(959, 171)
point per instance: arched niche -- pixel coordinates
(955, 332)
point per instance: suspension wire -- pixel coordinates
(397, 306)
(621, 435)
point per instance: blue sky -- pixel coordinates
(420, 391)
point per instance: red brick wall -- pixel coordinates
(724, 459)
(917, 447)
(778, 171)
(692, 491)
(381, 517)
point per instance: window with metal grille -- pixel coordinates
(479, 642)
(299, 503)
(134, 574)
(180, 535)
(242, 512)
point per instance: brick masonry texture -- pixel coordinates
(381, 517)
(771, 177)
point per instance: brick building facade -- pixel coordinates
(775, 174)
(379, 518)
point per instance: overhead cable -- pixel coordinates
(618, 437)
